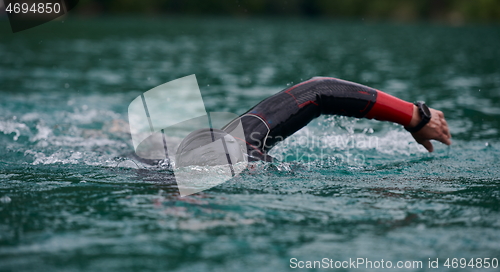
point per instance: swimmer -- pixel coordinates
(281, 115)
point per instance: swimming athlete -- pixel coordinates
(279, 116)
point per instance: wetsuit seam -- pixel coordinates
(267, 126)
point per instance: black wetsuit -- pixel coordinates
(281, 115)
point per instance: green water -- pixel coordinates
(66, 206)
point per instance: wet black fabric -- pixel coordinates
(279, 116)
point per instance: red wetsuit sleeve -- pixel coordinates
(390, 108)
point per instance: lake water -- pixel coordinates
(71, 198)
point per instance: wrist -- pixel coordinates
(415, 119)
(420, 118)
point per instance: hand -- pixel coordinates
(436, 129)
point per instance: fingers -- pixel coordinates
(441, 131)
(444, 124)
(446, 130)
(444, 135)
(428, 145)
(445, 138)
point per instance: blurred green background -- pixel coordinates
(448, 11)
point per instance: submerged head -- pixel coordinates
(209, 147)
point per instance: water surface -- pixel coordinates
(71, 200)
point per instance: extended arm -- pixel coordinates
(282, 114)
